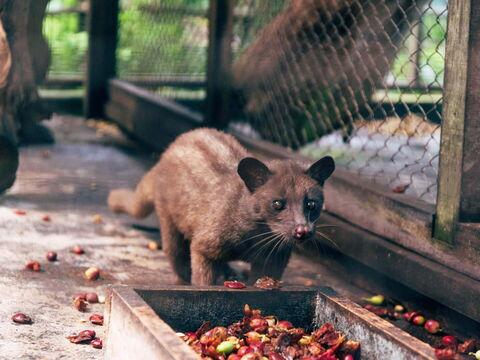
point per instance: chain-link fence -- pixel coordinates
(163, 47)
(358, 79)
(65, 30)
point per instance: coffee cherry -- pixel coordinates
(78, 250)
(92, 273)
(449, 340)
(21, 318)
(92, 297)
(225, 347)
(96, 343)
(234, 284)
(96, 319)
(418, 320)
(285, 324)
(80, 304)
(375, 300)
(33, 266)
(52, 256)
(432, 326)
(152, 245)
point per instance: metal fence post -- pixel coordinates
(219, 62)
(459, 169)
(101, 55)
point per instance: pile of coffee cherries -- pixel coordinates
(259, 337)
(449, 348)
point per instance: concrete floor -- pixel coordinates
(69, 181)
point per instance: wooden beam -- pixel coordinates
(402, 219)
(219, 62)
(470, 190)
(414, 47)
(67, 10)
(423, 275)
(153, 120)
(101, 55)
(391, 234)
(187, 82)
(459, 168)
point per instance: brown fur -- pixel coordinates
(214, 207)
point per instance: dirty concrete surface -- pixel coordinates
(69, 181)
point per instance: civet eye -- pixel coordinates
(278, 204)
(311, 205)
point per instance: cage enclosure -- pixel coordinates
(360, 80)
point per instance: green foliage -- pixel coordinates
(67, 40)
(171, 43)
(171, 39)
(432, 53)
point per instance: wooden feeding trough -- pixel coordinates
(141, 322)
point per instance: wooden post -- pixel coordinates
(414, 46)
(219, 62)
(101, 59)
(458, 185)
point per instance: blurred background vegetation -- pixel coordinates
(169, 37)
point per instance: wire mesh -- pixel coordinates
(65, 31)
(360, 80)
(163, 46)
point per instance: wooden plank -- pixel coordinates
(122, 115)
(240, 13)
(404, 220)
(219, 62)
(64, 101)
(468, 235)
(414, 45)
(64, 81)
(470, 189)
(187, 82)
(148, 117)
(380, 110)
(458, 191)
(407, 267)
(101, 55)
(356, 281)
(155, 9)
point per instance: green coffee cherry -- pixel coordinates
(477, 354)
(375, 300)
(225, 347)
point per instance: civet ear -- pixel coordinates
(322, 169)
(253, 172)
